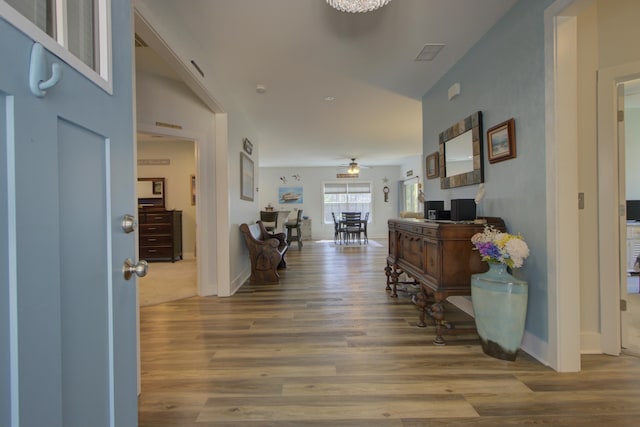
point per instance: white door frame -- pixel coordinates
(563, 269)
(611, 206)
(564, 289)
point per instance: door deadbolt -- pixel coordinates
(129, 223)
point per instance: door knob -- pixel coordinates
(129, 268)
(129, 223)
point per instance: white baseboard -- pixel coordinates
(536, 348)
(463, 303)
(590, 343)
(239, 281)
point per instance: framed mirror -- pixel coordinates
(460, 153)
(151, 193)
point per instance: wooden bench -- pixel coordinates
(266, 252)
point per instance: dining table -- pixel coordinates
(351, 224)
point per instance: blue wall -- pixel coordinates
(503, 76)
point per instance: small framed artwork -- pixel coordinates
(193, 190)
(247, 146)
(157, 187)
(501, 141)
(289, 195)
(432, 166)
(246, 178)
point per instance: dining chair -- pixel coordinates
(297, 226)
(338, 229)
(352, 226)
(270, 220)
(364, 223)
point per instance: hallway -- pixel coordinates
(328, 347)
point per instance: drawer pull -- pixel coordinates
(152, 240)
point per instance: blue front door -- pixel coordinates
(67, 314)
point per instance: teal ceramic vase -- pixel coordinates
(500, 307)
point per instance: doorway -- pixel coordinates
(173, 160)
(629, 146)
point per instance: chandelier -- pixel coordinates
(354, 6)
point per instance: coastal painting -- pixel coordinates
(289, 195)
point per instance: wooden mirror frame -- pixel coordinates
(155, 202)
(472, 123)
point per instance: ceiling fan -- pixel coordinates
(353, 167)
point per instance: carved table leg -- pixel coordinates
(395, 276)
(421, 301)
(387, 272)
(437, 312)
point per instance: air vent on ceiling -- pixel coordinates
(429, 51)
(139, 42)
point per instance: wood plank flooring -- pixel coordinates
(328, 347)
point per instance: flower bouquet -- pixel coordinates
(498, 247)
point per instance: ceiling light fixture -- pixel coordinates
(355, 6)
(353, 167)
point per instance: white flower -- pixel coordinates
(518, 251)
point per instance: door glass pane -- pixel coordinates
(81, 30)
(40, 12)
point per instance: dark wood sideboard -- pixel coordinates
(160, 235)
(439, 256)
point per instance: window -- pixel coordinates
(77, 31)
(411, 197)
(346, 197)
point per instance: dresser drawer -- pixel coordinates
(157, 218)
(156, 252)
(155, 240)
(148, 229)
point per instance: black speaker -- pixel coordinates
(463, 209)
(434, 205)
(438, 214)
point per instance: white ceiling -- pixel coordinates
(303, 51)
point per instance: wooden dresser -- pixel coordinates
(160, 235)
(439, 256)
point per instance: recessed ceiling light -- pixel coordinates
(329, 98)
(429, 51)
(261, 89)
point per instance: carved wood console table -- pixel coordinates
(440, 257)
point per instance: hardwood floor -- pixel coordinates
(328, 347)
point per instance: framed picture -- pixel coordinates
(193, 190)
(290, 195)
(246, 177)
(157, 187)
(501, 141)
(247, 146)
(432, 166)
